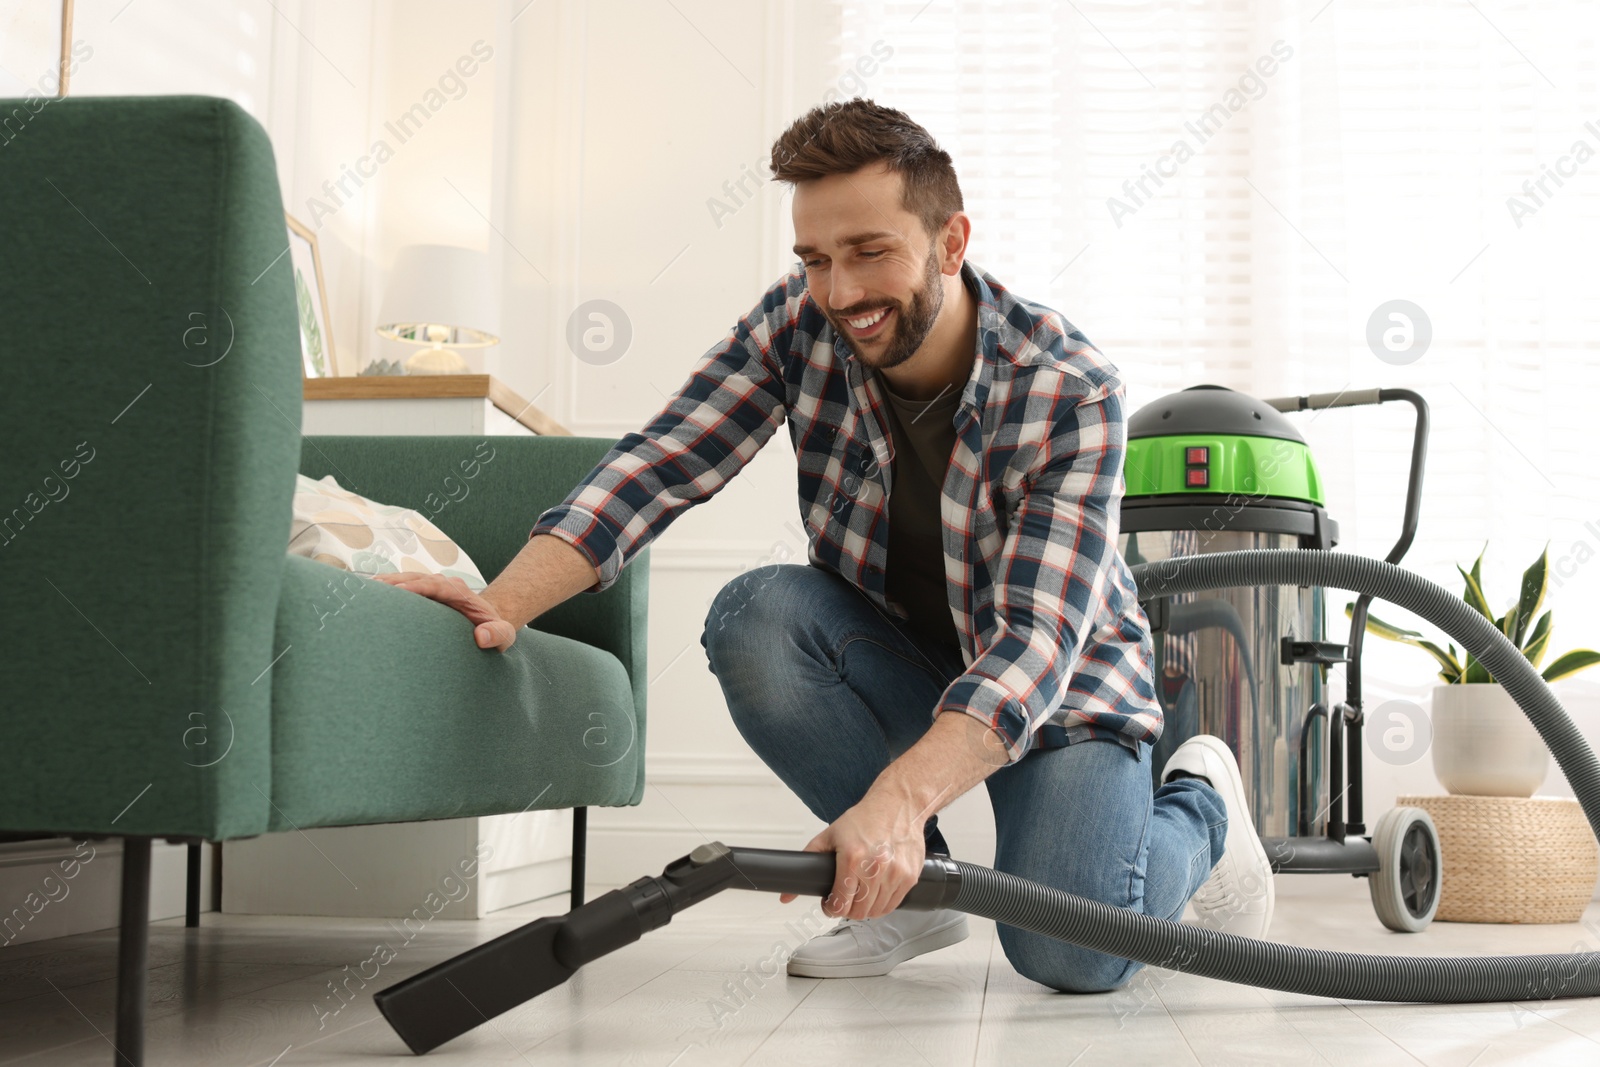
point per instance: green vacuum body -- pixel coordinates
(1209, 448)
(1231, 464)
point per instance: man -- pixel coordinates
(965, 615)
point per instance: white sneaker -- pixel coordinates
(865, 948)
(1237, 898)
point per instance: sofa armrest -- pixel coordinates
(485, 493)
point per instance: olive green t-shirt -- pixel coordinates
(923, 440)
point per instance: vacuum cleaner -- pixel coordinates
(1212, 470)
(464, 992)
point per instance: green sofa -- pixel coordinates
(170, 672)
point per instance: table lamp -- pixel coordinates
(441, 298)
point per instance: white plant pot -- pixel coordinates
(1483, 743)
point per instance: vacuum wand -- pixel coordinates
(447, 1000)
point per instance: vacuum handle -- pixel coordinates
(1355, 398)
(775, 870)
(1345, 398)
(1358, 617)
(812, 874)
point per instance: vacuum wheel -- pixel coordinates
(1405, 887)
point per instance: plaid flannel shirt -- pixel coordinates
(1056, 646)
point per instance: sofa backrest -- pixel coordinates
(150, 411)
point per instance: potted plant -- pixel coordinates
(1483, 743)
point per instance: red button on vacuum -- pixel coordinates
(1197, 455)
(1198, 478)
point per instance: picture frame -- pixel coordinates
(317, 356)
(64, 64)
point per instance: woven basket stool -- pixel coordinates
(1511, 859)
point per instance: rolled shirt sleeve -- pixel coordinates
(729, 407)
(1057, 569)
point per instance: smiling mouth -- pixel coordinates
(870, 324)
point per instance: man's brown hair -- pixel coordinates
(843, 137)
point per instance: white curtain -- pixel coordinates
(1226, 192)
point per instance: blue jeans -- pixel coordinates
(828, 690)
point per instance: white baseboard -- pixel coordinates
(443, 868)
(519, 885)
(38, 900)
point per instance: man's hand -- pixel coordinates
(490, 629)
(544, 573)
(880, 841)
(880, 849)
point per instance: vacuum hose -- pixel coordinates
(1128, 934)
(461, 993)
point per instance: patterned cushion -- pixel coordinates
(338, 527)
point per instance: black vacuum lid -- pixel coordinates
(1210, 409)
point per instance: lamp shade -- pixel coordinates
(441, 286)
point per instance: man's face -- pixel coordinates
(870, 265)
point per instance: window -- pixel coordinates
(1228, 192)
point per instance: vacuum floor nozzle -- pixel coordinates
(462, 993)
(468, 990)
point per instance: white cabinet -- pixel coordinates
(421, 404)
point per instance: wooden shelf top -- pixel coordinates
(436, 387)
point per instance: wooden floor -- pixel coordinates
(255, 990)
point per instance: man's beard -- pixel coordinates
(912, 324)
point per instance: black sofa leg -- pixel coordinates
(191, 893)
(133, 943)
(580, 841)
